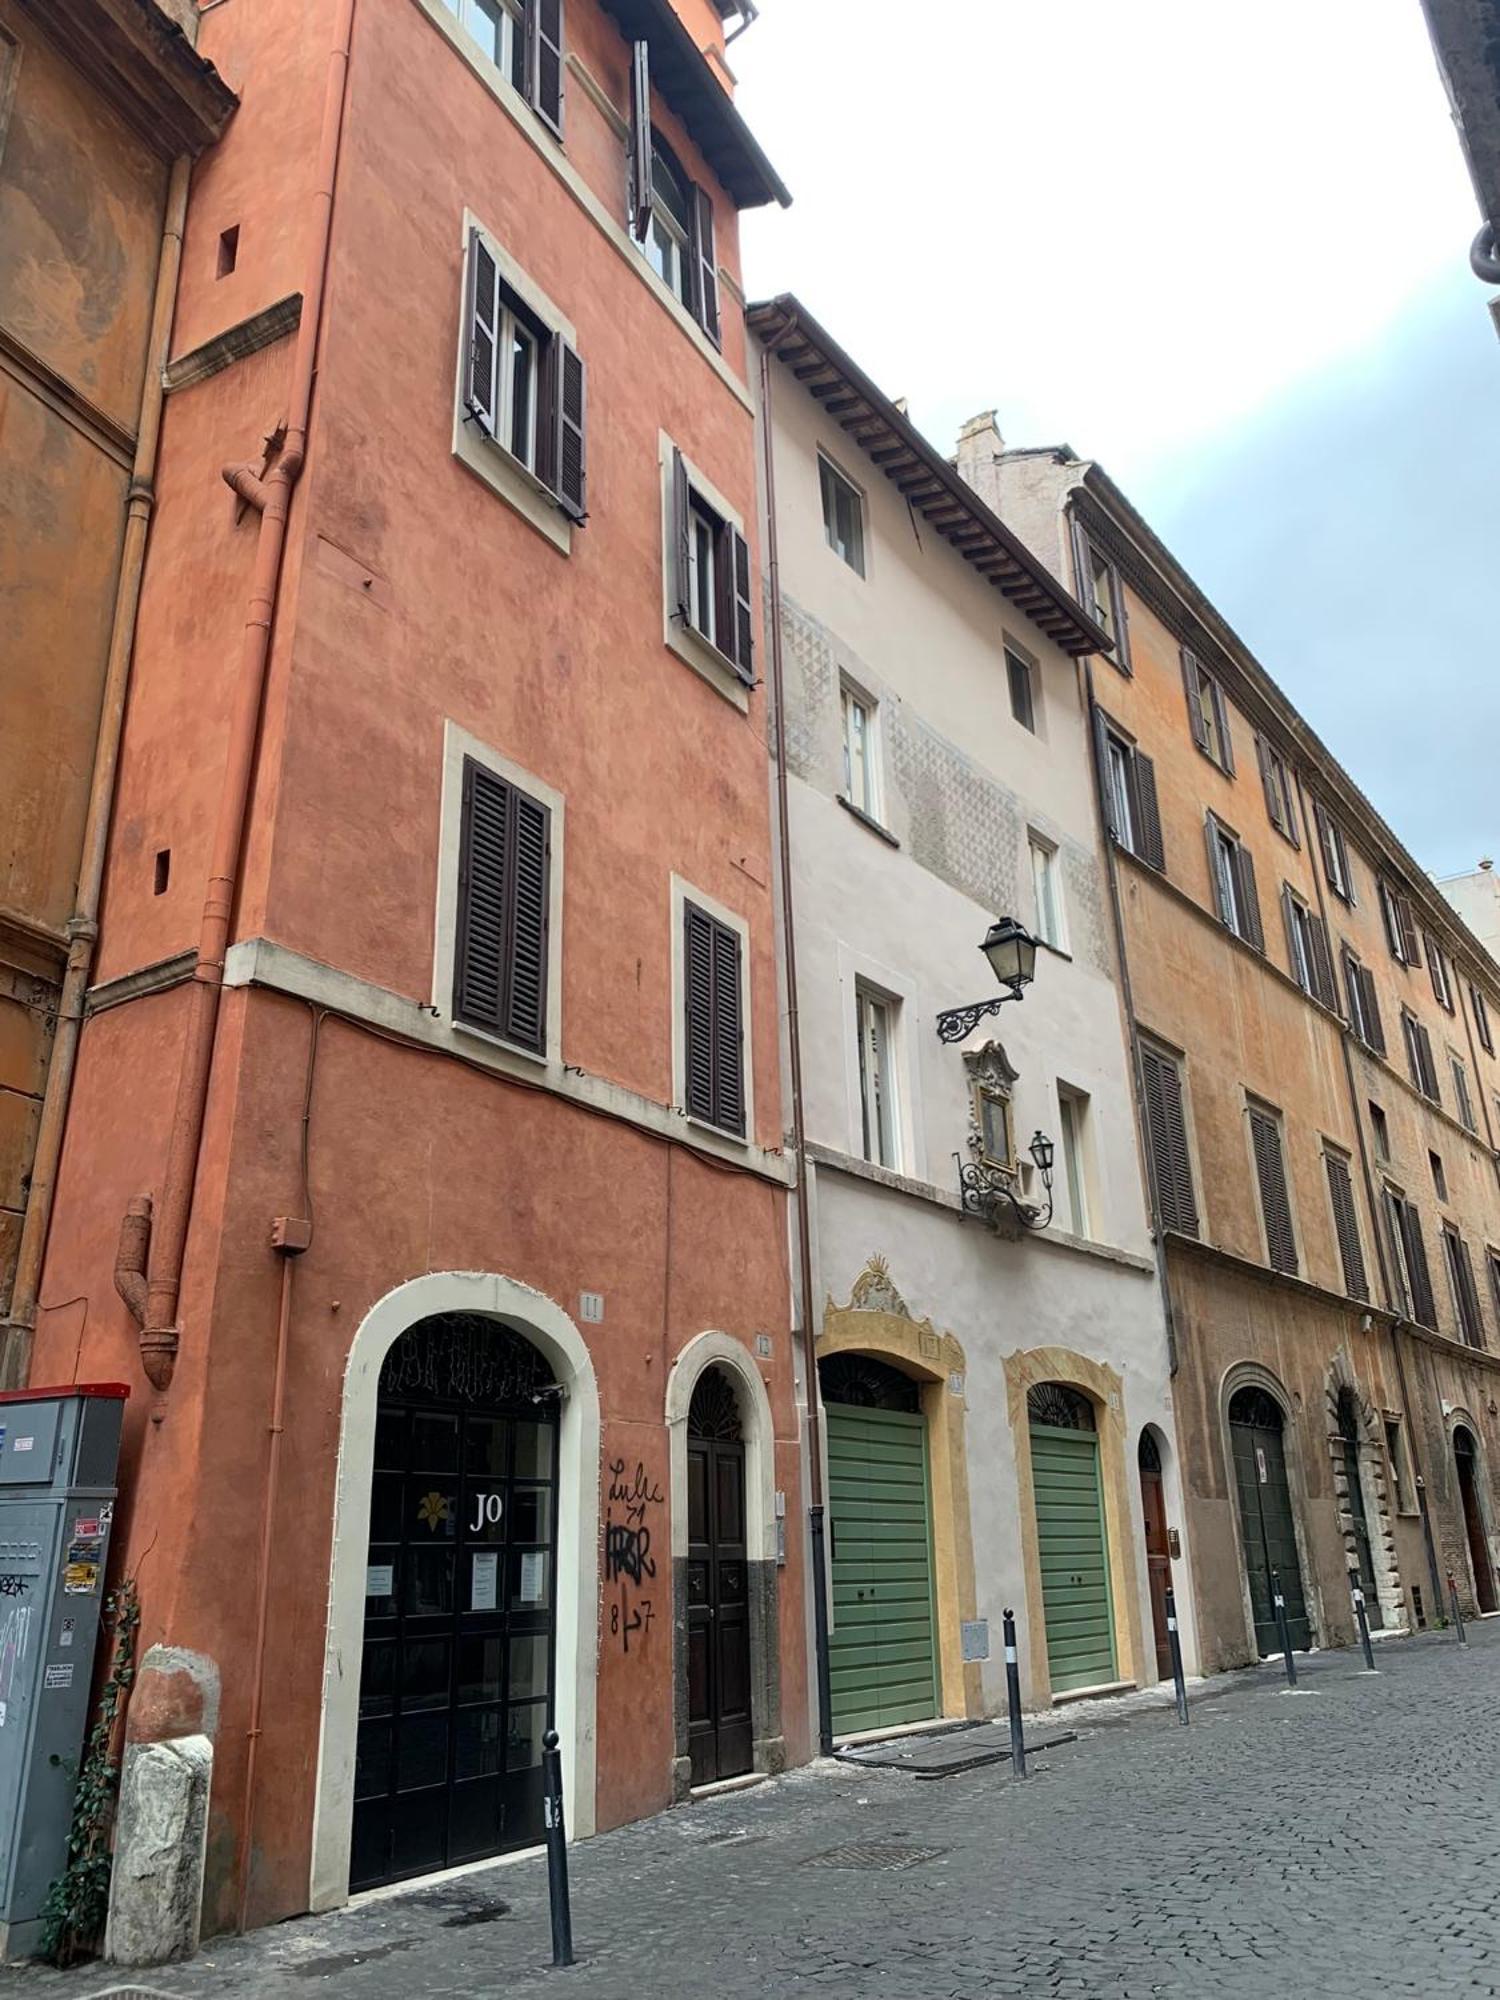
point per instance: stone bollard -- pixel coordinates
(161, 1834)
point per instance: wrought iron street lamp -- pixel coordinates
(990, 1192)
(1011, 951)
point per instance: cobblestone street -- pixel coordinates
(1334, 1841)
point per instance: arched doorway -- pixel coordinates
(1348, 1423)
(1072, 1543)
(720, 1729)
(881, 1650)
(1158, 1548)
(1466, 1458)
(458, 1672)
(1267, 1530)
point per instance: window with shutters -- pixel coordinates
(671, 217)
(1164, 1103)
(524, 40)
(1364, 1003)
(1336, 869)
(1492, 1264)
(1275, 1200)
(843, 515)
(1102, 595)
(1021, 676)
(1208, 713)
(520, 419)
(875, 1017)
(1127, 787)
(1409, 1269)
(1046, 882)
(1463, 1101)
(503, 911)
(713, 1045)
(1419, 1060)
(1441, 972)
(709, 616)
(1274, 776)
(1461, 1283)
(1481, 1019)
(1345, 1221)
(1308, 955)
(1233, 876)
(1400, 925)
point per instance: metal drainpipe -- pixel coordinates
(1127, 995)
(1367, 1175)
(816, 1508)
(271, 495)
(83, 925)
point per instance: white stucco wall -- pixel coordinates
(962, 782)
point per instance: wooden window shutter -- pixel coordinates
(742, 624)
(481, 334)
(1271, 786)
(1101, 762)
(1122, 623)
(1411, 950)
(1392, 919)
(1423, 1305)
(1275, 1206)
(1221, 718)
(1428, 1067)
(705, 264)
(1346, 1226)
(1215, 875)
(1481, 1019)
(714, 1069)
(544, 60)
(1084, 567)
(1192, 688)
(682, 528)
(1253, 932)
(569, 450)
(1325, 986)
(1371, 1008)
(1469, 1293)
(1147, 813)
(1289, 917)
(640, 140)
(500, 960)
(1166, 1134)
(1492, 1259)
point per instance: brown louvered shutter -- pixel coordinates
(1468, 1294)
(1276, 1208)
(1122, 622)
(742, 648)
(1325, 986)
(1411, 950)
(1101, 760)
(1428, 1067)
(1293, 954)
(500, 958)
(571, 459)
(1371, 1000)
(1191, 687)
(640, 140)
(481, 334)
(714, 1067)
(1392, 919)
(705, 264)
(1423, 1305)
(1166, 1133)
(544, 66)
(1244, 868)
(1346, 1225)
(1147, 813)
(1270, 785)
(682, 529)
(1221, 717)
(1481, 1019)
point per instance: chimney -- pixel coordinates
(980, 449)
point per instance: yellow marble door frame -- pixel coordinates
(1026, 1370)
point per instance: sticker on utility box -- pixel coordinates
(60, 1676)
(85, 1560)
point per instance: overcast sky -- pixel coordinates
(1223, 251)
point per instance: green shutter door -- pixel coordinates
(882, 1656)
(1074, 1557)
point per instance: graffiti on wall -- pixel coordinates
(633, 1501)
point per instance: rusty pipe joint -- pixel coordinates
(130, 1257)
(159, 1345)
(247, 485)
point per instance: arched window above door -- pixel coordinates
(715, 1408)
(465, 1358)
(1063, 1408)
(1256, 1406)
(1150, 1453)
(868, 1384)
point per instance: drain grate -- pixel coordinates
(874, 1854)
(131, 1993)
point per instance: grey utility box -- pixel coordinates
(58, 1452)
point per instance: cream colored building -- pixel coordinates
(1475, 895)
(994, 1393)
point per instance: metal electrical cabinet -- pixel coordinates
(58, 1452)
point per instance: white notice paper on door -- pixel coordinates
(532, 1576)
(482, 1592)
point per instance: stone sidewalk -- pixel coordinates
(1331, 1841)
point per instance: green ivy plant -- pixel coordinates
(78, 1901)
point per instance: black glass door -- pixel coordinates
(456, 1686)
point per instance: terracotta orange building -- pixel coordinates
(425, 1165)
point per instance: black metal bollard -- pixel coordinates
(1283, 1628)
(1013, 1697)
(1458, 1616)
(1174, 1640)
(557, 1850)
(1356, 1591)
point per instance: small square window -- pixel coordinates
(843, 516)
(1021, 675)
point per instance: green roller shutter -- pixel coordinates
(1074, 1557)
(882, 1655)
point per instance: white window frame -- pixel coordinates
(832, 476)
(1017, 658)
(877, 1017)
(459, 746)
(853, 698)
(1226, 879)
(1046, 866)
(686, 641)
(1117, 761)
(844, 1122)
(1075, 1141)
(683, 892)
(490, 458)
(509, 57)
(1302, 964)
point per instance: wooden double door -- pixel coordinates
(1256, 1431)
(720, 1718)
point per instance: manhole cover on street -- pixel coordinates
(873, 1854)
